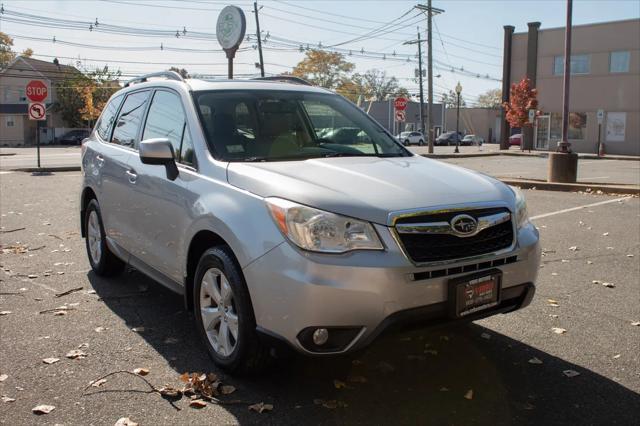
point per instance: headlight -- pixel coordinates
(522, 217)
(317, 230)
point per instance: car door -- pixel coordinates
(121, 150)
(161, 210)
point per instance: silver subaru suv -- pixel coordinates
(286, 216)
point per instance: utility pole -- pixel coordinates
(430, 12)
(255, 11)
(419, 41)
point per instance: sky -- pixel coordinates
(467, 35)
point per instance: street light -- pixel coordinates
(458, 91)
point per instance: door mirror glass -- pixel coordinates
(159, 151)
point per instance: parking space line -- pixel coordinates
(540, 216)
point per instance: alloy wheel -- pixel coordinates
(95, 237)
(218, 312)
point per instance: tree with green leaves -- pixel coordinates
(183, 72)
(492, 98)
(450, 100)
(6, 53)
(324, 69)
(82, 96)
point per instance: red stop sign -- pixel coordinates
(400, 104)
(37, 91)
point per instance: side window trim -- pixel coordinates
(112, 127)
(138, 134)
(185, 126)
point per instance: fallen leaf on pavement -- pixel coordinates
(555, 274)
(616, 356)
(339, 384)
(553, 315)
(636, 323)
(485, 336)
(50, 360)
(5, 398)
(605, 234)
(198, 403)
(357, 379)
(83, 345)
(553, 302)
(43, 409)
(469, 394)
(528, 406)
(227, 389)
(32, 276)
(125, 421)
(609, 285)
(444, 389)
(535, 360)
(573, 248)
(596, 282)
(261, 407)
(76, 354)
(629, 255)
(3, 377)
(385, 367)
(100, 330)
(170, 392)
(570, 373)
(59, 313)
(138, 329)
(99, 383)
(558, 330)
(141, 371)
(2, 313)
(589, 262)
(94, 292)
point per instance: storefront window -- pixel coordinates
(577, 126)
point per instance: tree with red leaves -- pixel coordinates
(522, 98)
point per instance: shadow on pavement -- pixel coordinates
(404, 385)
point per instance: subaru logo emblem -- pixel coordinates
(464, 225)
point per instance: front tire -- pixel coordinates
(102, 260)
(224, 314)
(421, 142)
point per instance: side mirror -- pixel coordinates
(160, 152)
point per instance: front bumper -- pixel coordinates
(292, 290)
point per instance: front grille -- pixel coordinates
(440, 247)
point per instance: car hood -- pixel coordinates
(368, 188)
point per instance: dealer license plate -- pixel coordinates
(471, 294)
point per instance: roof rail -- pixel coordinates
(169, 75)
(286, 79)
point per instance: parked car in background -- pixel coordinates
(276, 237)
(448, 138)
(410, 138)
(472, 140)
(74, 137)
(515, 139)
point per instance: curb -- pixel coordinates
(537, 155)
(573, 187)
(48, 169)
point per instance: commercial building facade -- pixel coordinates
(383, 112)
(605, 77)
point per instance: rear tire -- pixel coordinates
(224, 314)
(102, 260)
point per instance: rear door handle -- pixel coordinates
(132, 176)
(100, 159)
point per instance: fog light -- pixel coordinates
(320, 336)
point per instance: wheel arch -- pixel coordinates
(88, 194)
(201, 242)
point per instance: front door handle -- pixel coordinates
(132, 176)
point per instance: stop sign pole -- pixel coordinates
(37, 91)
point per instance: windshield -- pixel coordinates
(267, 125)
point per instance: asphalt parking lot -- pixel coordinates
(516, 367)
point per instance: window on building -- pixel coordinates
(580, 64)
(167, 119)
(619, 61)
(577, 126)
(128, 123)
(10, 121)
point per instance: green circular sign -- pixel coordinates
(231, 27)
